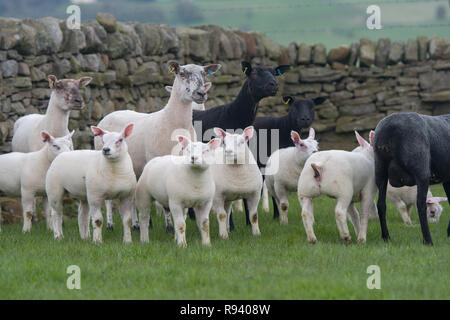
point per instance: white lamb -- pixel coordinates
(94, 176)
(65, 96)
(155, 132)
(179, 183)
(287, 164)
(23, 174)
(237, 176)
(405, 198)
(348, 177)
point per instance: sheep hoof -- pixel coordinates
(110, 227)
(136, 227)
(347, 240)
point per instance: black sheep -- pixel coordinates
(412, 149)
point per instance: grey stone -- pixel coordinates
(396, 52)
(320, 74)
(319, 54)
(439, 48)
(411, 51)
(9, 68)
(366, 52)
(382, 52)
(354, 54)
(108, 21)
(423, 47)
(304, 54)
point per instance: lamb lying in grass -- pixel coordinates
(348, 177)
(405, 198)
(178, 183)
(23, 174)
(286, 165)
(94, 176)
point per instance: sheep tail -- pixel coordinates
(318, 170)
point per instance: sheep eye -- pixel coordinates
(56, 147)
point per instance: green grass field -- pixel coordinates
(279, 264)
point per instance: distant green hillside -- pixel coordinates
(311, 21)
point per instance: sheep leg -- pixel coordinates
(109, 215)
(422, 189)
(221, 215)
(57, 217)
(247, 215)
(28, 207)
(230, 220)
(191, 213)
(341, 218)
(143, 204)
(447, 192)
(353, 216)
(282, 203)
(133, 214)
(126, 206)
(179, 223)
(265, 198)
(367, 205)
(228, 207)
(308, 218)
(276, 212)
(253, 201)
(168, 220)
(238, 205)
(202, 218)
(381, 180)
(404, 212)
(83, 220)
(95, 213)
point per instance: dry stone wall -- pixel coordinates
(363, 81)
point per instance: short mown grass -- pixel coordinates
(279, 264)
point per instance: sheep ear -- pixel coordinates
(246, 67)
(208, 86)
(46, 137)
(371, 137)
(363, 143)
(128, 130)
(440, 199)
(51, 81)
(212, 68)
(70, 135)
(312, 133)
(168, 88)
(319, 100)
(220, 132)
(84, 81)
(97, 131)
(174, 66)
(248, 133)
(183, 141)
(214, 143)
(288, 100)
(280, 70)
(295, 137)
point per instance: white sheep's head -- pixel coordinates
(365, 147)
(56, 146)
(197, 154)
(434, 209)
(66, 92)
(114, 144)
(306, 146)
(234, 146)
(190, 83)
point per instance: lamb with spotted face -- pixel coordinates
(92, 176)
(178, 183)
(236, 176)
(23, 174)
(284, 168)
(154, 133)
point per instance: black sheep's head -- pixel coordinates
(261, 80)
(302, 110)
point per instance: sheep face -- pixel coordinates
(114, 144)
(66, 92)
(58, 145)
(261, 80)
(365, 147)
(301, 111)
(307, 146)
(190, 84)
(234, 145)
(434, 209)
(197, 154)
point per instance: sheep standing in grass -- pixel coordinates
(154, 133)
(179, 183)
(94, 176)
(284, 168)
(236, 176)
(347, 176)
(405, 198)
(23, 174)
(412, 149)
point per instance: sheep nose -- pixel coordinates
(272, 86)
(201, 93)
(78, 100)
(106, 150)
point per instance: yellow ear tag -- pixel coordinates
(245, 70)
(171, 69)
(52, 83)
(287, 102)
